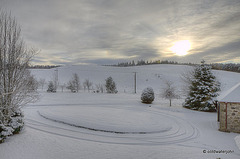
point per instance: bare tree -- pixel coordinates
(87, 84)
(100, 87)
(42, 82)
(169, 92)
(63, 86)
(17, 86)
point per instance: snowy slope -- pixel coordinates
(90, 125)
(154, 76)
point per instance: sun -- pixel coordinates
(181, 48)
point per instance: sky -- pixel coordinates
(71, 32)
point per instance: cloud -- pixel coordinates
(90, 31)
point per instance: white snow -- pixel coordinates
(232, 95)
(93, 125)
(237, 140)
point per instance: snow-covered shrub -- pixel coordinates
(147, 95)
(17, 122)
(14, 126)
(51, 87)
(203, 89)
(4, 132)
(110, 85)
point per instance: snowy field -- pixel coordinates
(89, 125)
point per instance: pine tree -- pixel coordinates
(110, 85)
(74, 83)
(203, 88)
(51, 87)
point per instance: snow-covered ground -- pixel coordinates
(94, 125)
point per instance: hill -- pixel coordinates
(154, 76)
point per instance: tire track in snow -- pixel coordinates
(181, 131)
(100, 130)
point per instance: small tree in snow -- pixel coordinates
(76, 80)
(74, 83)
(71, 86)
(87, 84)
(100, 87)
(110, 85)
(42, 82)
(203, 88)
(169, 92)
(51, 87)
(55, 80)
(63, 86)
(147, 95)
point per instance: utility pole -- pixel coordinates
(135, 82)
(57, 75)
(56, 79)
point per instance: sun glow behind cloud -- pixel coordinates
(181, 48)
(112, 31)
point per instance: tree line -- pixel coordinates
(42, 66)
(143, 62)
(234, 67)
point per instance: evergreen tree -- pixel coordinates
(203, 88)
(74, 83)
(51, 87)
(110, 85)
(71, 86)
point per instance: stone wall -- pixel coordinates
(233, 117)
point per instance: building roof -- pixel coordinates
(232, 95)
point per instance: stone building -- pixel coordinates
(229, 110)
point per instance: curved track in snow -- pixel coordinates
(101, 130)
(180, 130)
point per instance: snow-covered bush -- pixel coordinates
(147, 95)
(4, 132)
(14, 126)
(51, 87)
(17, 122)
(203, 89)
(110, 85)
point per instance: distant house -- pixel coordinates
(229, 110)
